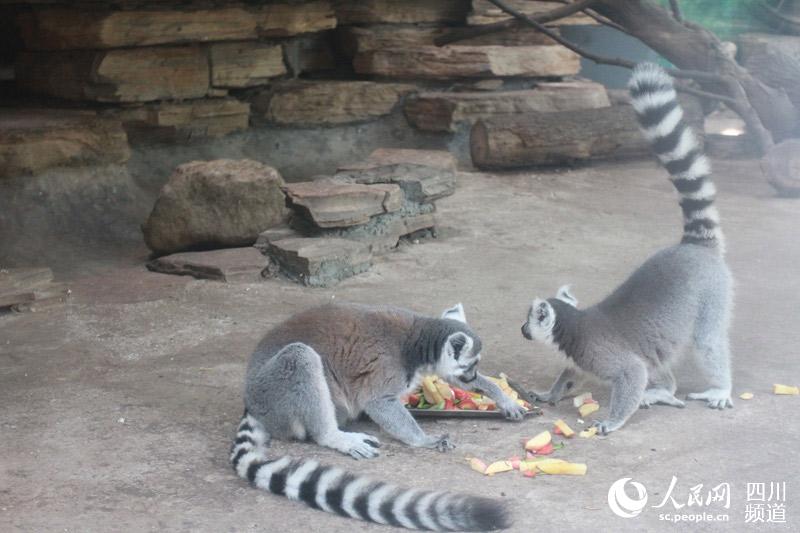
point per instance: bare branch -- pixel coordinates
(604, 21)
(705, 94)
(461, 34)
(789, 21)
(676, 10)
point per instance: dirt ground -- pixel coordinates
(117, 411)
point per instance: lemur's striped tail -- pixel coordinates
(337, 491)
(676, 145)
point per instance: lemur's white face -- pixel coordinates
(542, 317)
(458, 359)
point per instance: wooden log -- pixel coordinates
(431, 62)
(540, 139)
(444, 111)
(75, 28)
(484, 12)
(124, 75)
(408, 11)
(245, 64)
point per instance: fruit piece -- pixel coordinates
(449, 405)
(547, 449)
(564, 429)
(580, 399)
(430, 391)
(588, 433)
(539, 441)
(569, 469)
(445, 390)
(461, 394)
(412, 400)
(467, 405)
(746, 396)
(438, 407)
(515, 461)
(529, 473)
(477, 465)
(498, 467)
(532, 464)
(588, 408)
(785, 389)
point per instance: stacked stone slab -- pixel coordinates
(339, 222)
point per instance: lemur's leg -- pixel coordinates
(510, 408)
(660, 388)
(292, 387)
(712, 352)
(395, 419)
(563, 384)
(627, 388)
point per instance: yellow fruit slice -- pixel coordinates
(477, 465)
(533, 464)
(588, 433)
(564, 428)
(498, 467)
(588, 408)
(430, 391)
(581, 399)
(746, 396)
(539, 441)
(444, 389)
(567, 469)
(785, 389)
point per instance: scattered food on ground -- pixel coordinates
(438, 395)
(746, 396)
(785, 389)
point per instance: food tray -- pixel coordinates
(455, 413)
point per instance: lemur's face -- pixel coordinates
(460, 357)
(542, 317)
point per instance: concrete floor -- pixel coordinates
(117, 412)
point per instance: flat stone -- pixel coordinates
(381, 157)
(383, 232)
(278, 233)
(421, 184)
(245, 64)
(320, 261)
(231, 265)
(32, 140)
(329, 203)
(182, 121)
(215, 204)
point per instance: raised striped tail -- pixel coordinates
(677, 147)
(334, 490)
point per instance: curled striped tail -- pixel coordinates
(677, 147)
(334, 490)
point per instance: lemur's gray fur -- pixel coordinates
(326, 366)
(678, 299)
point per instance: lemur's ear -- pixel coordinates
(542, 314)
(455, 313)
(565, 296)
(457, 344)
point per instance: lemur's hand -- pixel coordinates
(512, 410)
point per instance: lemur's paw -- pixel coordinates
(546, 397)
(362, 446)
(442, 443)
(662, 396)
(604, 427)
(716, 398)
(513, 411)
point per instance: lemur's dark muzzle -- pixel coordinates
(526, 331)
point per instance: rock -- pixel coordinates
(123, 75)
(51, 296)
(301, 103)
(484, 12)
(32, 140)
(408, 11)
(231, 265)
(98, 28)
(30, 289)
(444, 111)
(320, 261)
(237, 65)
(781, 166)
(330, 204)
(431, 62)
(380, 157)
(265, 238)
(183, 121)
(221, 203)
(383, 232)
(421, 184)
(310, 53)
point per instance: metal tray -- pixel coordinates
(441, 413)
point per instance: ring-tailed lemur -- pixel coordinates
(326, 366)
(678, 299)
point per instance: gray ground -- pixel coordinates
(117, 411)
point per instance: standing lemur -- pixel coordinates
(678, 299)
(326, 366)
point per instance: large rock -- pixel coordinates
(331, 204)
(329, 102)
(221, 203)
(421, 184)
(444, 111)
(431, 62)
(32, 140)
(408, 11)
(123, 75)
(231, 265)
(98, 28)
(320, 261)
(237, 65)
(182, 121)
(382, 233)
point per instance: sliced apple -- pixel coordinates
(746, 396)
(564, 429)
(444, 389)
(588, 408)
(539, 441)
(581, 399)
(785, 389)
(515, 461)
(588, 433)
(498, 467)
(468, 405)
(529, 473)
(477, 465)
(568, 469)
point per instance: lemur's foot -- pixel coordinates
(513, 411)
(441, 443)
(357, 445)
(547, 397)
(716, 398)
(662, 396)
(604, 427)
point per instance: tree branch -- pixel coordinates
(705, 94)
(467, 33)
(789, 21)
(676, 10)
